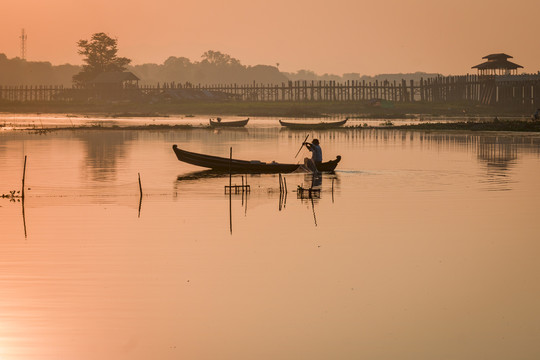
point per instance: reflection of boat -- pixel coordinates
(219, 123)
(307, 126)
(229, 129)
(202, 174)
(244, 166)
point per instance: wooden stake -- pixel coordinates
(140, 186)
(23, 177)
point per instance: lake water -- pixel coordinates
(422, 245)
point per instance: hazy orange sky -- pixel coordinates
(339, 36)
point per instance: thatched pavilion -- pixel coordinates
(497, 64)
(115, 80)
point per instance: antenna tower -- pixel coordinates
(23, 45)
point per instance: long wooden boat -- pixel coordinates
(237, 123)
(244, 166)
(313, 126)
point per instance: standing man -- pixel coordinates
(316, 155)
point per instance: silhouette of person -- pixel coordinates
(316, 155)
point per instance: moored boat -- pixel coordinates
(236, 123)
(245, 166)
(313, 126)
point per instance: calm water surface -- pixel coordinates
(423, 245)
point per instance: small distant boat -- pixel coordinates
(245, 166)
(219, 123)
(313, 126)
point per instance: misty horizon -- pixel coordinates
(16, 71)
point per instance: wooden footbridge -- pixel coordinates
(489, 90)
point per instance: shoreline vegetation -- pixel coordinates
(353, 109)
(467, 117)
(489, 125)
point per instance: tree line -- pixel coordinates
(100, 54)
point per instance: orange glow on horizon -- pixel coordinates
(365, 37)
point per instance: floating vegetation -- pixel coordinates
(98, 126)
(495, 125)
(12, 196)
(141, 114)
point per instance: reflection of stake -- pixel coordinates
(313, 207)
(230, 192)
(333, 190)
(245, 211)
(230, 211)
(285, 191)
(140, 197)
(242, 190)
(23, 217)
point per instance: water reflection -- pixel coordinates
(499, 156)
(267, 187)
(103, 151)
(407, 208)
(497, 152)
(106, 151)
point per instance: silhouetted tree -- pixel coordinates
(100, 56)
(219, 59)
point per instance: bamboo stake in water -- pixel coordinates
(140, 197)
(23, 176)
(140, 186)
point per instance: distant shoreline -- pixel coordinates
(475, 126)
(353, 109)
(495, 125)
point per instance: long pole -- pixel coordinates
(301, 146)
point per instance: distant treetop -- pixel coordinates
(100, 55)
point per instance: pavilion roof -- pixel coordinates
(114, 77)
(499, 56)
(497, 64)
